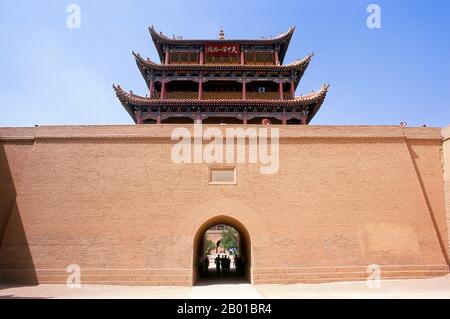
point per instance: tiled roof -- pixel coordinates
(159, 39)
(136, 100)
(147, 64)
(311, 102)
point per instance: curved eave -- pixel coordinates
(313, 101)
(126, 106)
(283, 40)
(146, 64)
(320, 98)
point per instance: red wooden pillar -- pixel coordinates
(152, 88)
(245, 117)
(280, 89)
(277, 58)
(201, 57)
(200, 89)
(242, 57)
(198, 119)
(292, 89)
(139, 119)
(244, 89)
(166, 58)
(163, 89)
(303, 118)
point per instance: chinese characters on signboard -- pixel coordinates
(223, 49)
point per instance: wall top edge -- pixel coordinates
(164, 131)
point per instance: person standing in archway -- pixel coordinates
(206, 264)
(239, 264)
(223, 264)
(217, 262)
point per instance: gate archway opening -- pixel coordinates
(213, 245)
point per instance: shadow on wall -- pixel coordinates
(440, 237)
(16, 263)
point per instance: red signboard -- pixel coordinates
(222, 49)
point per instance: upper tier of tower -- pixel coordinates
(264, 51)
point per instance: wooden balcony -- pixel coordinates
(223, 95)
(288, 96)
(181, 95)
(263, 96)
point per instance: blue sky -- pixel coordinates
(55, 75)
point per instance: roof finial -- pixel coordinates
(221, 34)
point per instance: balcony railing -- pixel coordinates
(263, 96)
(181, 95)
(288, 96)
(223, 95)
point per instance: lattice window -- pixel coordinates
(265, 58)
(183, 58)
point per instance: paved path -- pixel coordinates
(225, 291)
(94, 292)
(438, 287)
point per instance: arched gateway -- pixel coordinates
(244, 244)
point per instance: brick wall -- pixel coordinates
(109, 199)
(446, 164)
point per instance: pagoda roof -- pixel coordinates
(283, 39)
(313, 100)
(147, 64)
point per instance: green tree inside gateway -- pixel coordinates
(208, 245)
(230, 239)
